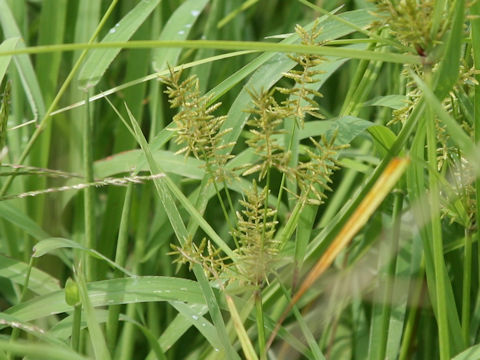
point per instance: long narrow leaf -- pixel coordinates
(98, 61)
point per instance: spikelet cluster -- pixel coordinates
(300, 99)
(458, 194)
(410, 22)
(197, 129)
(265, 122)
(314, 175)
(205, 254)
(257, 251)
(255, 232)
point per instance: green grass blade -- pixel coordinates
(176, 328)
(150, 77)
(177, 28)
(193, 315)
(114, 292)
(475, 34)
(23, 63)
(51, 31)
(115, 46)
(449, 67)
(312, 343)
(8, 44)
(98, 61)
(96, 336)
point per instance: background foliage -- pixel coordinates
(242, 138)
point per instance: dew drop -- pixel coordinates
(195, 12)
(194, 317)
(188, 26)
(112, 30)
(181, 32)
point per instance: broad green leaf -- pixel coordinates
(51, 31)
(113, 292)
(39, 281)
(177, 27)
(100, 59)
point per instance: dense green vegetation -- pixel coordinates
(261, 179)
